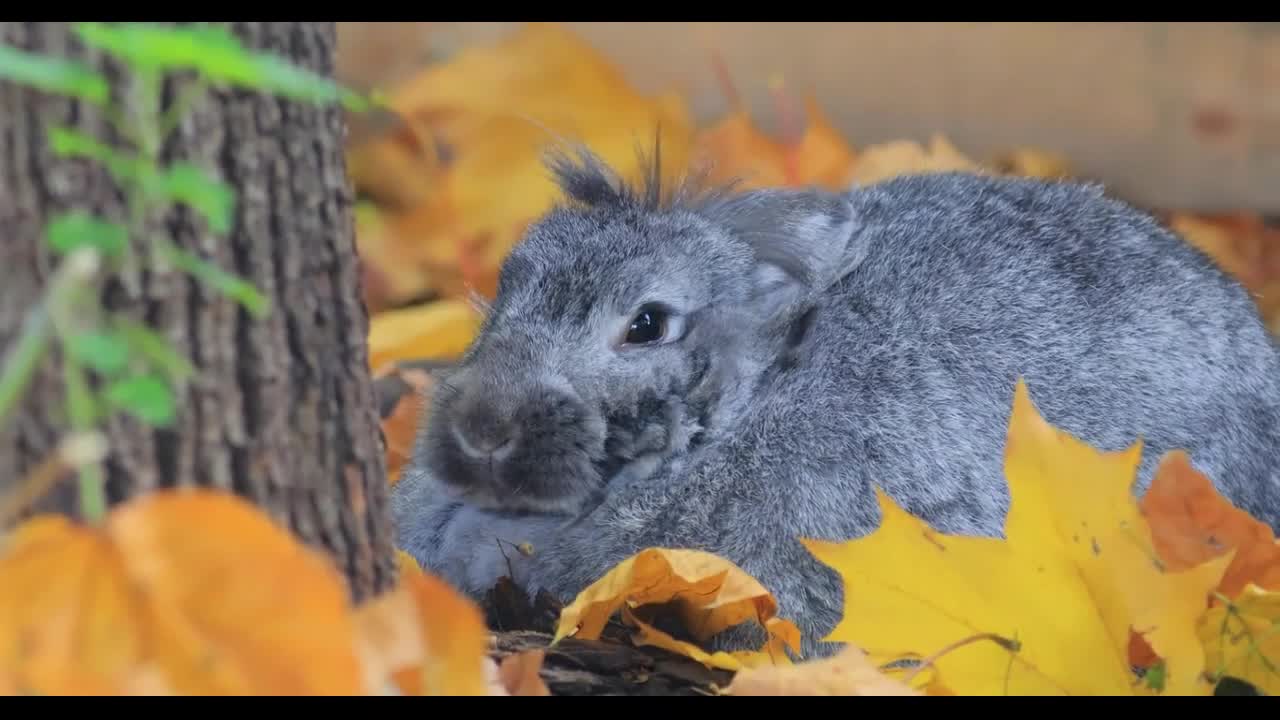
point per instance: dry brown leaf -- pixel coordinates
(849, 672)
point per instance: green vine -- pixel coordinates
(138, 372)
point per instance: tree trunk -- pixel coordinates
(282, 410)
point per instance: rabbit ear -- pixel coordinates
(802, 240)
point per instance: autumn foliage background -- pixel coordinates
(1180, 584)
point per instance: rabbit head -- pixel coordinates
(629, 326)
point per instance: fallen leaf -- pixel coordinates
(849, 672)
(1033, 162)
(497, 108)
(881, 162)
(708, 593)
(394, 269)
(1220, 241)
(1073, 576)
(735, 150)
(425, 636)
(406, 565)
(1244, 246)
(773, 652)
(1242, 639)
(441, 329)
(1192, 523)
(192, 591)
(823, 157)
(520, 674)
(400, 425)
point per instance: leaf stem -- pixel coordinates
(79, 268)
(21, 363)
(74, 452)
(1007, 644)
(186, 97)
(38, 329)
(80, 409)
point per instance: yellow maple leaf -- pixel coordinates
(1076, 572)
(849, 672)
(1242, 638)
(708, 593)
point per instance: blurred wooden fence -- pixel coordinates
(1180, 115)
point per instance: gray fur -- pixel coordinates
(833, 343)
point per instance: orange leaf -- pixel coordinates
(190, 592)
(400, 428)
(823, 157)
(425, 636)
(497, 108)
(1232, 243)
(738, 150)
(520, 674)
(1191, 523)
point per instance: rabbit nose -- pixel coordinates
(484, 441)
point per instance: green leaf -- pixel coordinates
(145, 397)
(218, 55)
(54, 75)
(76, 229)
(277, 75)
(1156, 676)
(230, 285)
(151, 345)
(105, 352)
(214, 199)
(125, 168)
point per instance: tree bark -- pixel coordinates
(282, 410)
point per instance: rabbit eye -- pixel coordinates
(653, 324)
(647, 327)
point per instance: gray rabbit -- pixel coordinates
(730, 371)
